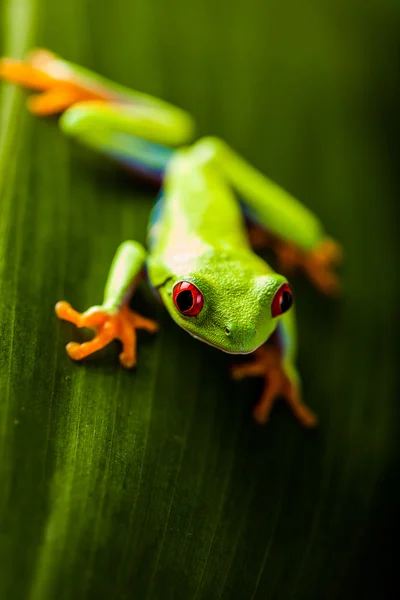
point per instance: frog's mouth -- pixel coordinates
(201, 339)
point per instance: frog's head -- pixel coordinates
(229, 307)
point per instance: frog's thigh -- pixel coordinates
(122, 132)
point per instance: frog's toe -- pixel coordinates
(127, 359)
(40, 58)
(23, 74)
(54, 101)
(74, 350)
(65, 312)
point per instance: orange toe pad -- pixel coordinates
(17, 71)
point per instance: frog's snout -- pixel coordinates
(240, 338)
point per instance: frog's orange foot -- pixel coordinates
(56, 95)
(318, 264)
(108, 327)
(259, 237)
(43, 72)
(267, 364)
(41, 58)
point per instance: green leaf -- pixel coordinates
(156, 483)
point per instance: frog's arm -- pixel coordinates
(301, 240)
(133, 128)
(275, 362)
(112, 319)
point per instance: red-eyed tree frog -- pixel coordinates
(200, 258)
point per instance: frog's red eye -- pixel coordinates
(282, 300)
(187, 298)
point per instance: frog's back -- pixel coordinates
(198, 209)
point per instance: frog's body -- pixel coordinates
(200, 236)
(200, 259)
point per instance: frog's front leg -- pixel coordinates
(275, 363)
(113, 319)
(280, 380)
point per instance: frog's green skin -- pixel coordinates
(201, 238)
(199, 233)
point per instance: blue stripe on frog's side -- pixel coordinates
(249, 215)
(153, 231)
(140, 156)
(283, 338)
(154, 221)
(155, 291)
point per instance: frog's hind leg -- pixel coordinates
(316, 264)
(60, 88)
(135, 129)
(288, 227)
(46, 72)
(125, 133)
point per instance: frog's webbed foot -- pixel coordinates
(318, 264)
(268, 364)
(121, 325)
(260, 238)
(43, 72)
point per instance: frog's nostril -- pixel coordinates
(227, 331)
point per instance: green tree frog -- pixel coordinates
(200, 258)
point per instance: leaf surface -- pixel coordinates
(156, 483)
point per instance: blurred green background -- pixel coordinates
(156, 484)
